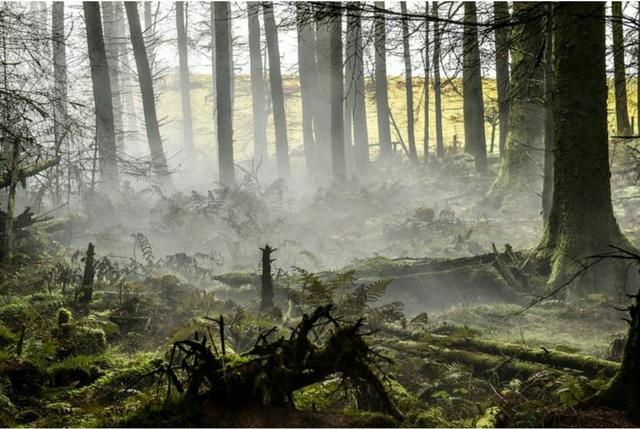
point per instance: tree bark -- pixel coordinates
(360, 130)
(113, 59)
(127, 82)
(382, 96)
(503, 82)
(308, 81)
(60, 84)
(322, 119)
(474, 136)
(259, 108)
(277, 92)
(425, 139)
(581, 221)
(338, 162)
(547, 181)
(519, 181)
(437, 87)
(185, 81)
(102, 95)
(223, 93)
(146, 88)
(620, 81)
(408, 80)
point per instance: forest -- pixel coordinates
(319, 214)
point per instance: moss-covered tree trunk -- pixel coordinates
(473, 104)
(581, 221)
(519, 180)
(620, 80)
(503, 81)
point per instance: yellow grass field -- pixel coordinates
(201, 95)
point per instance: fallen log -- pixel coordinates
(587, 364)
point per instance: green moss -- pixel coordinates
(431, 418)
(77, 339)
(173, 413)
(368, 419)
(15, 315)
(64, 316)
(318, 396)
(490, 418)
(6, 336)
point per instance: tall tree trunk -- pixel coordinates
(382, 95)
(214, 102)
(349, 100)
(519, 180)
(223, 92)
(277, 92)
(185, 81)
(503, 83)
(146, 88)
(360, 130)
(581, 222)
(322, 118)
(474, 137)
(408, 80)
(105, 135)
(425, 139)
(437, 87)
(111, 40)
(638, 76)
(127, 81)
(259, 108)
(620, 80)
(338, 163)
(308, 81)
(547, 182)
(60, 84)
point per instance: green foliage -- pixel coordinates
(64, 317)
(15, 315)
(6, 336)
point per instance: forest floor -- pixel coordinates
(412, 254)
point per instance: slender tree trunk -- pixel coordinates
(503, 83)
(349, 100)
(214, 102)
(547, 183)
(338, 162)
(519, 182)
(408, 79)
(437, 88)
(360, 130)
(60, 84)
(149, 32)
(105, 135)
(185, 81)
(277, 92)
(620, 80)
(308, 81)
(425, 139)
(581, 222)
(474, 136)
(259, 107)
(382, 95)
(223, 92)
(111, 37)
(127, 82)
(146, 88)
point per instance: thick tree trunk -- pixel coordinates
(105, 133)
(581, 221)
(185, 81)
(408, 80)
(259, 108)
(60, 84)
(503, 82)
(519, 181)
(308, 81)
(547, 182)
(425, 139)
(222, 16)
(437, 87)
(322, 118)
(277, 92)
(111, 40)
(382, 95)
(620, 81)
(338, 162)
(360, 130)
(146, 88)
(474, 137)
